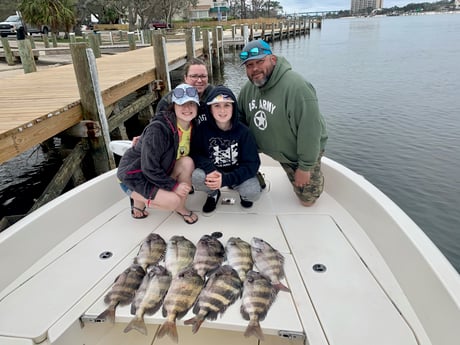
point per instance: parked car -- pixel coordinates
(11, 25)
(159, 24)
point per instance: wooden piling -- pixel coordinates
(161, 61)
(245, 34)
(131, 41)
(207, 52)
(220, 45)
(93, 110)
(32, 41)
(190, 43)
(72, 38)
(54, 40)
(215, 51)
(8, 52)
(27, 56)
(46, 41)
(94, 44)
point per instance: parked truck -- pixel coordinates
(11, 25)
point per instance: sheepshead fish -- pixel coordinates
(258, 296)
(149, 297)
(222, 289)
(122, 291)
(182, 294)
(179, 254)
(269, 261)
(151, 251)
(209, 255)
(239, 256)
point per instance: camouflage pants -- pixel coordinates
(312, 191)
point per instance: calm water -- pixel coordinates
(389, 89)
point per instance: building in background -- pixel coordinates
(210, 9)
(365, 6)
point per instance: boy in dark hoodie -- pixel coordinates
(224, 152)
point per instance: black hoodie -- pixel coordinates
(232, 152)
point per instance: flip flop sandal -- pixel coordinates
(188, 215)
(137, 209)
(140, 210)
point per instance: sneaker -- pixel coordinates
(211, 202)
(246, 203)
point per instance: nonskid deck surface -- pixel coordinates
(323, 304)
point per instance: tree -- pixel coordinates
(273, 8)
(57, 14)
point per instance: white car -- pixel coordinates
(11, 25)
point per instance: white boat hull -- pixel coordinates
(383, 281)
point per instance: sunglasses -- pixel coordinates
(254, 52)
(198, 76)
(189, 91)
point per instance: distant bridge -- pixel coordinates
(313, 14)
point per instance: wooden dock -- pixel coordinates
(37, 106)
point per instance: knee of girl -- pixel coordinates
(186, 163)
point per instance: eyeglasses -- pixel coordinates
(179, 92)
(198, 76)
(254, 52)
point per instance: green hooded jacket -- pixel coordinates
(284, 117)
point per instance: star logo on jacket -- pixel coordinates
(260, 120)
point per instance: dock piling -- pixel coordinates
(190, 43)
(8, 52)
(27, 56)
(161, 61)
(94, 44)
(93, 111)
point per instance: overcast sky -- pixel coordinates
(292, 6)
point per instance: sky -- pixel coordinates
(293, 6)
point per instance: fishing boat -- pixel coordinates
(359, 270)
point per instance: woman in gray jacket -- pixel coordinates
(156, 171)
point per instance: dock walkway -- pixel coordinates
(37, 106)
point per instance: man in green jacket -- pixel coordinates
(281, 109)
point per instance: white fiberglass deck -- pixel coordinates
(344, 303)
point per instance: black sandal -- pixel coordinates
(188, 215)
(137, 209)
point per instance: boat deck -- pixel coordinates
(341, 303)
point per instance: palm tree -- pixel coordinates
(57, 14)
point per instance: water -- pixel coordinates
(388, 88)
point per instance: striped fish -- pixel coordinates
(238, 253)
(122, 291)
(149, 297)
(209, 255)
(258, 296)
(151, 251)
(268, 261)
(222, 289)
(182, 294)
(179, 254)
